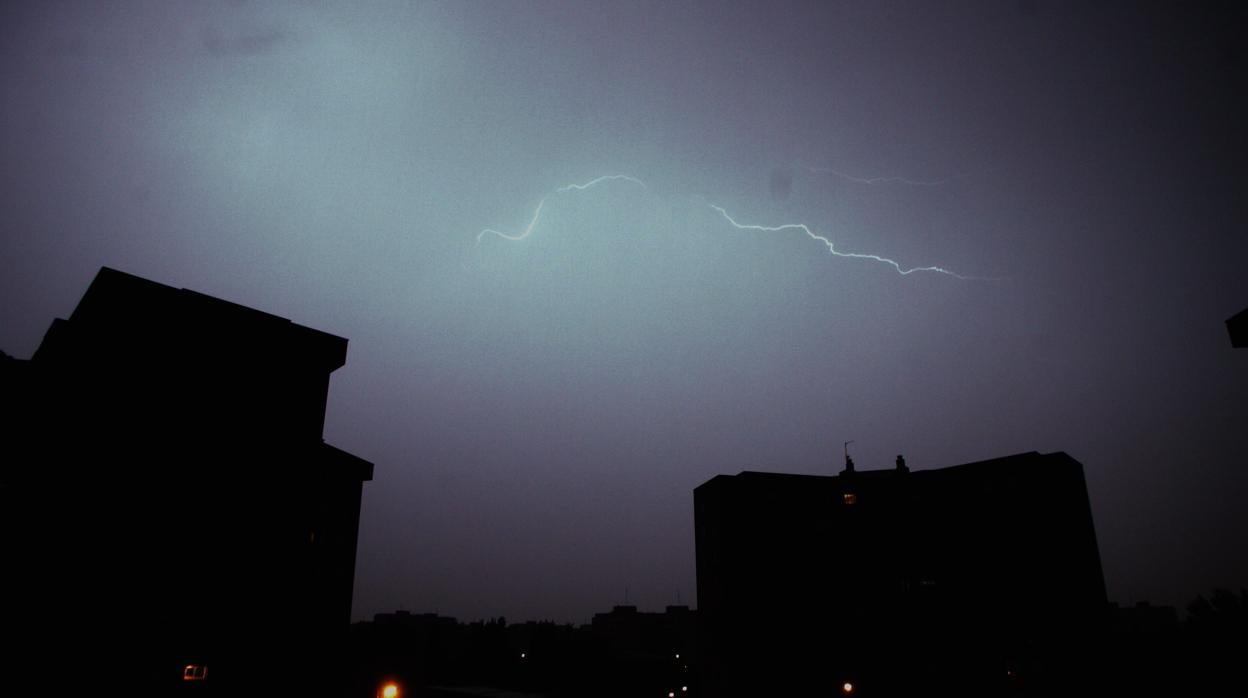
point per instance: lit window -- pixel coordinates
(194, 672)
(850, 498)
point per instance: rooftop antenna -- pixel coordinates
(678, 597)
(849, 462)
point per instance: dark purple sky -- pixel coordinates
(540, 409)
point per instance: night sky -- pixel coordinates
(540, 409)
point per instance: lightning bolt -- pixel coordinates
(832, 247)
(881, 180)
(604, 178)
(537, 214)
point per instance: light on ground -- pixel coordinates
(390, 690)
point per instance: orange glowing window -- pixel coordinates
(850, 498)
(194, 672)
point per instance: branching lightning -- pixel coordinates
(604, 178)
(528, 229)
(832, 247)
(537, 214)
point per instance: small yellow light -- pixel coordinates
(847, 688)
(390, 690)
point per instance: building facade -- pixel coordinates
(175, 521)
(963, 579)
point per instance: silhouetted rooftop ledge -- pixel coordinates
(1019, 460)
(123, 301)
(1238, 327)
(361, 468)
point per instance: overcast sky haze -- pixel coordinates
(539, 410)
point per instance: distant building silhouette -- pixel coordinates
(631, 635)
(624, 653)
(413, 649)
(646, 653)
(1237, 325)
(174, 520)
(959, 580)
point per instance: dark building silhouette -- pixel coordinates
(646, 653)
(411, 649)
(173, 520)
(974, 579)
(1237, 326)
(624, 652)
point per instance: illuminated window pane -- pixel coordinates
(850, 498)
(194, 672)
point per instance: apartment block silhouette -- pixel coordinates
(174, 520)
(962, 579)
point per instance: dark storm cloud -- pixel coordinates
(219, 44)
